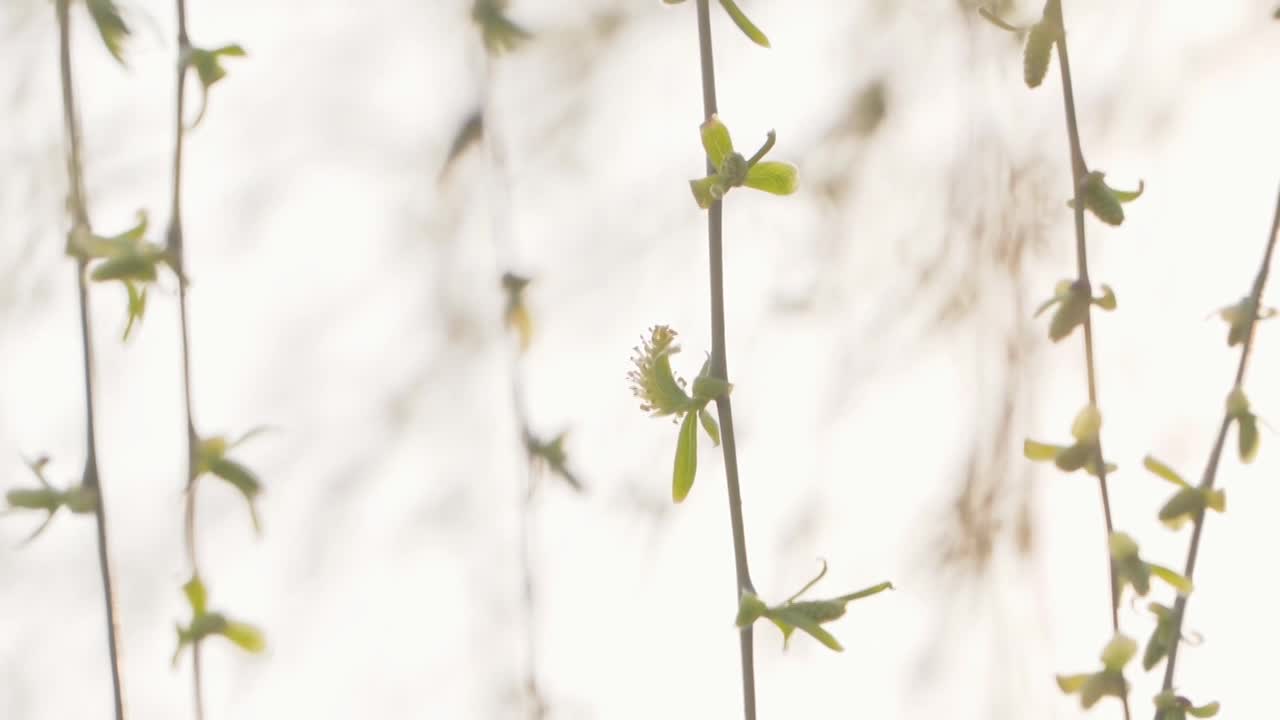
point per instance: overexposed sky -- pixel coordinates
(343, 296)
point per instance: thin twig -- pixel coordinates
(81, 227)
(720, 369)
(1211, 468)
(1079, 171)
(500, 231)
(177, 256)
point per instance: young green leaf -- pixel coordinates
(130, 268)
(499, 33)
(744, 23)
(1171, 706)
(686, 464)
(1162, 638)
(246, 637)
(197, 595)
(111, 26)
(1110, 681)
(710, 425)
(1099, 200)
(1108, 299)
(1175, 580)
(1087, 424)
(1247, 430)
(208, 66)
(707, 190)
(716, 141)
(807, 615)
(1040, 452)
(1163, 471)
(789, 617)
(1104, 201)
(208, 63)
(137, 299)
(778, 178)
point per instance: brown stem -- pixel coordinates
(1211, 468)
(81, 227)
(720, 369)
(1079, 171)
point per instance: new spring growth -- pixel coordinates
(211, 457)
(111, 26)
(739, 18)
(1189, 501)
(806, 615)
(551, 455)
(1039, 45)
(1104, 201)
(128, 258)
(204, 624)
(662, 394)
(733, 170)
(1109, 681)
(78, 499)
(1082, 454)
(1072, 299)
(1132, 570)
(1240, 318)
(500, 33)
(1246, 424)
(1171, 706)
(1162, 638)
(516, 313)
(208, 67)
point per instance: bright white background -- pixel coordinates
(345, 297)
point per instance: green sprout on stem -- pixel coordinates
(1109, 681)
(1171, 706)
(1247, 424)
(499, 32)
(111, 26)
(516, 313)
(1189, 502)
(1240, 318)
(733, 170)
(211, 457)
(208, 67)
(78, 499)
(551, 455)
(806, 615)
(1104, 201)
(739, 18)
(1082, 454)
(128, 258)
(1039, 46)
(1073, 300)
(1132, 570)
(204, 624)
(663, 394)
(1162, 637)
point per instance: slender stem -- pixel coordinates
(720, 368)
(1211, 468)
(1079, 171)
(500, 216)
(80, 227)
(177, 256)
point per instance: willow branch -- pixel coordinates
(1211, 468)
(177, 257)
(1079, 172)
(720, 369)
(80, 228)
